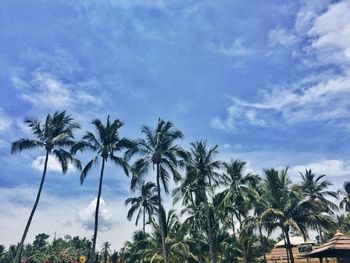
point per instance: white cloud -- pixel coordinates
(5, 122)
(52, 164)
(57, 215)
(235, 49)
(281, 36)
(324, 98)
(328, 167)
(237, 116)
(331, 33)
(44, 90)
(308, 12)
(86, 216)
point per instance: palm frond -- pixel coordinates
(25, 144)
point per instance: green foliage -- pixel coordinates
(227, 213)
(63, 250)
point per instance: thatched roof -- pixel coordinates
(295, 241)
(338, 246)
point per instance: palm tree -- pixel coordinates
(158, 150)
(105, 144)
(345, 201)
(146, 202)
(286, 208)
(315, 189)
(106, 251)
(54, 136)
(201, 163)
(238, 189)
(186, 192)
(178, 244)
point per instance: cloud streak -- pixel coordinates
(327, 100)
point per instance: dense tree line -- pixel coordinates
(227, 213)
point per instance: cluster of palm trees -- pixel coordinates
(225, 210)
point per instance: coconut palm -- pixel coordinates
(315, 189)
(145, 203)
(105, 143)
(106, 251)
(159, 150)
(201, 163)
(238, 190)
(286, 208)
(177, 242)
(186, 192)
(53, 136)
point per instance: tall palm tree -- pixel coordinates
(286, 208)
(145, 203)
(186, 192)
(238, 188)
(159, 150)
(105, 143)
(315, 189)
(201, 163)
(53, 136)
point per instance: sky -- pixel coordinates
(268, 81)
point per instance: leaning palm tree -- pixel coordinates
(159, 150)
(145, 203)
(53, 136)
(106, 143)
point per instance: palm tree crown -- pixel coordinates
(146, 202)
(54, 136)
(105, 143)
(159, 150)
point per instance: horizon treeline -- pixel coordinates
(227, 215)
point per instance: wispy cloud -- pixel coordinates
(237, 48)
(5, 121)
(324, 100)
(331, 35)
(281, 36)
(44, 90)
(328, 167)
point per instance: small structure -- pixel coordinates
(279, 254)
(337, 248)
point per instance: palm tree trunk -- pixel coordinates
(290, 248)
(96, 212)
(20, 246)
(144, 219)
(161, 223)
(261, 241)
(233, 225)
(210, 233)
(285, 243)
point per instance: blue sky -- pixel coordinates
(269, 81)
